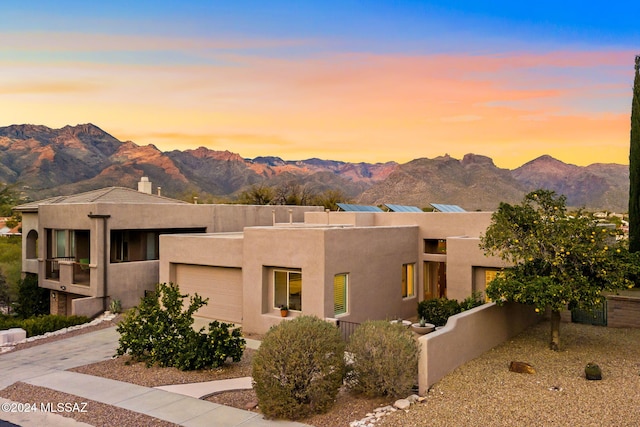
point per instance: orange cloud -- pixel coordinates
(357, 107)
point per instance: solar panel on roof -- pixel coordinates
(402, 208)
(358, 208)
(447, 208)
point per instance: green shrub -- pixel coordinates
(40, 325)
(160, 332)
(472, 301)
(384, 359)
(438, 310)
(299, 368)
(32, 300)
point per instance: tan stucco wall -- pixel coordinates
(467, 335)
(463, 254)
(461, 231)
(30, 222)
(128, 281)
(264, 248)
(216, 250)
(372, 256)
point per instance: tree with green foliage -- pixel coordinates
(634, 165)
(5, 299)
(11, 264)
(558, 260)
(32, 299)
(8, 199)
(329, 199)
(257, 194)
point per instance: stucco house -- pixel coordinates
(351, 266)
(90, 248)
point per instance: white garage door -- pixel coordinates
(223, 287)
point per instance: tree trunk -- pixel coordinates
(634, 165)
(555, 331)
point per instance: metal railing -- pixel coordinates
(346, 328)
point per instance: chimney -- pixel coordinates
(144, 186)
(159, 191)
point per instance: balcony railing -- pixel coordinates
(78, 274)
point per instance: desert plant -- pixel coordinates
(159, 331)
(115, 306)
(475, 300)
(438, 310)
(299, 368)
(384, 359)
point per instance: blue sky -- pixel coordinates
(348, 80)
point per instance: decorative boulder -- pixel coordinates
(593, 371)
(521, 368)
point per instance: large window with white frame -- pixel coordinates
(408, 280)
(287, 289)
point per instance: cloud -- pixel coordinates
(348, 106)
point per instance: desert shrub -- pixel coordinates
(40, 325)
(438, 310)
(299, 368)
(159, 331)
(384, 359)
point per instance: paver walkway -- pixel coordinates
(46, 365)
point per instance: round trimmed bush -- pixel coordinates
(384, 359)
(299, 368)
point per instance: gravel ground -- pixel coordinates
(482, 392)
(347, 408)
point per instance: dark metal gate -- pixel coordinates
(596, 316)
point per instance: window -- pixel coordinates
(435, 246)
(340, 283)
(61, 243)
(287, 289)
(435, 279)
(408, 281)
(141, 245)
(490, 274)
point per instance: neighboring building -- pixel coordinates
(101, 245)
(351, 266)
(5, 230)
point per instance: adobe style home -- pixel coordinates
(350, 266)
(93, 247)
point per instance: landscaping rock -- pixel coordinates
(521, 367)
(402, 404)
(413, 398)
(593, 371)
(251, 405)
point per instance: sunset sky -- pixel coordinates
(344, 80)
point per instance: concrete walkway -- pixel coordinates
(46, 365)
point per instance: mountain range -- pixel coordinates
(44, 162)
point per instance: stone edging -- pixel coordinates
(378, 413)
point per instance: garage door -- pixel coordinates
(223, 287)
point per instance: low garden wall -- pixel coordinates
(467, 335)
(87, 306)
(623, 311)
